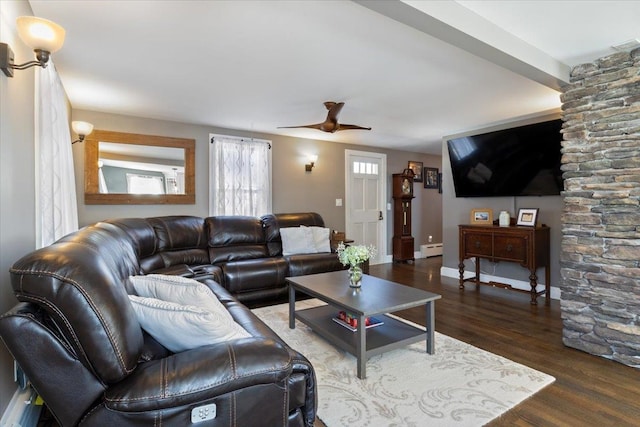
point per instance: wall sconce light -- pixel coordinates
(82, 129)
(312, 159)
(41, 35)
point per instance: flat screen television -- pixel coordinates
(521, 161)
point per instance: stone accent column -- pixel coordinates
(600, 257)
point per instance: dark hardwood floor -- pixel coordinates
(588, 391)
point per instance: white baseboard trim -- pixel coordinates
(517, 284)
(21, 411)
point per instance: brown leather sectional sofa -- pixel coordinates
(243, 254)
(77, 338)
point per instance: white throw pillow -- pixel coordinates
(178, 289)
(297, 240)
(193, 310)
(321, 239)
(183, 327)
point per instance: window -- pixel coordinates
(365, 168)
(240, 176)
(144, 184)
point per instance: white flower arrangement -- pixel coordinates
(355, 255)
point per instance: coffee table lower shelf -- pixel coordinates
(391, 335)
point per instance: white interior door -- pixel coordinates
(365, 195)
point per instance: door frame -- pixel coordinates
(382, 197)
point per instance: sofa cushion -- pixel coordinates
(254, 274)
(186, 294)
(274, 222)
(302, 264)
(180, 240)
(141, 232)
(181, 327)
(321, 238)
(233, 238)
(305, 240)
(179, 232)
(297, 240)
(178, 289)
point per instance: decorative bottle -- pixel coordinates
(504, 219)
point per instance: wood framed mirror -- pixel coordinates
(127, 168)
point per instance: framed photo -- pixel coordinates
(482, 216)
(527, 217)
(416, 167)
(431, 178)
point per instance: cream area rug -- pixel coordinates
(460, 385)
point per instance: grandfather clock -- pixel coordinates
(402, 194)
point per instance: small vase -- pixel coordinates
(504, 219)
(355, 276)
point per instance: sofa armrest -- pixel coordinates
(200, 374)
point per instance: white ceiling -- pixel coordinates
(414, 71)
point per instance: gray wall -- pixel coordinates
(17, 166)
(457, 211)
(294, 190)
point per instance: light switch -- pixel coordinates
(338, 202)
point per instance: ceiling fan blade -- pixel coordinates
(349, 127)
(314, 126)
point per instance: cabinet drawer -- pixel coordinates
(477, 244)
(512, 248)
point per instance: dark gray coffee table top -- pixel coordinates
(374, 297)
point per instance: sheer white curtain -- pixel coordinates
(56, 205)
(240, 176)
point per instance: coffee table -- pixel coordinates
(377, 297)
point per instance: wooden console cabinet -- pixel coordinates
(527, 246)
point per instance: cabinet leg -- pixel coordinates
(533, 281)
(461, 271)
(547, 284)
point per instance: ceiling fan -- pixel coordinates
(331, 124)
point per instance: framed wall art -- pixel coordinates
(527, 217)
(482, 216)
(430, 177)
(416, 167)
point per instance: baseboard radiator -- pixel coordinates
(430, 249)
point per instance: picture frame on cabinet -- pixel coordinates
(416, 167)
(482, 216)
(527, 217)
(431, 178)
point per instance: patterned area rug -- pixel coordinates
(460, 385)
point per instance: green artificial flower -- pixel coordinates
(355, 255)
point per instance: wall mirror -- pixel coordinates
(127, 168)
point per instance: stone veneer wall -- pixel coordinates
(600, 257)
